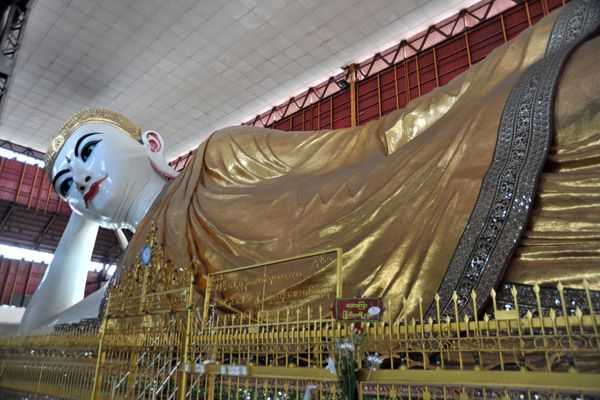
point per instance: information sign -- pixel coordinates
(358, 309)
(276, 285)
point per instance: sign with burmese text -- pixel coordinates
(360, 309)
(277, 285)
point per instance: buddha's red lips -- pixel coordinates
(93, 191)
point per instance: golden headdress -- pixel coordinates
(92, 115)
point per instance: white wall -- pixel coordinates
(10, 317)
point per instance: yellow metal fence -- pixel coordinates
(279, 355)
(58, 365)
(157, 342)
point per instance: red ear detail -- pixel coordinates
(154, 142)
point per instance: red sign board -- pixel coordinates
(360, 309)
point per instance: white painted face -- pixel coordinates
(96, 170)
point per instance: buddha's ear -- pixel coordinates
(153, 141)
(155, 146)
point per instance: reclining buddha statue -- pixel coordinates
(492, 178)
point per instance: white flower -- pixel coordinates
(374, 360)
(347, 346)
(308, 395)
(331, 365)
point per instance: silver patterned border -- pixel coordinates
(550, 299)
(505, 198)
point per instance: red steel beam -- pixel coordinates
(450, 58)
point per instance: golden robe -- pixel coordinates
(427, 199)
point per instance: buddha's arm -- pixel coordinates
(64, 282)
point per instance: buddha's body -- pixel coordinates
(396, 195)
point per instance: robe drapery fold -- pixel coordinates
(424, 200)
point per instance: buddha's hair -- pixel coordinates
(92, 115)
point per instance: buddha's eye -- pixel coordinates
(88, 149)
(65, 186)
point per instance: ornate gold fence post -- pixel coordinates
(186, 363)
(212, 377)
(39, 382)
(101, 357)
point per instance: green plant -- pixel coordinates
(350, 352)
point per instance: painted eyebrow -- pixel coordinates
(62, 172)
(81, 139)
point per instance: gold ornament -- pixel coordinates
(92, 115)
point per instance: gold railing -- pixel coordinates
(280, 354)
(158, 346)
(547, 356)
(60, 365)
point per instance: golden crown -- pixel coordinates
(81, 118)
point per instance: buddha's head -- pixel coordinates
(96, 160)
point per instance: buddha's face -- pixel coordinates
(96, 170)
